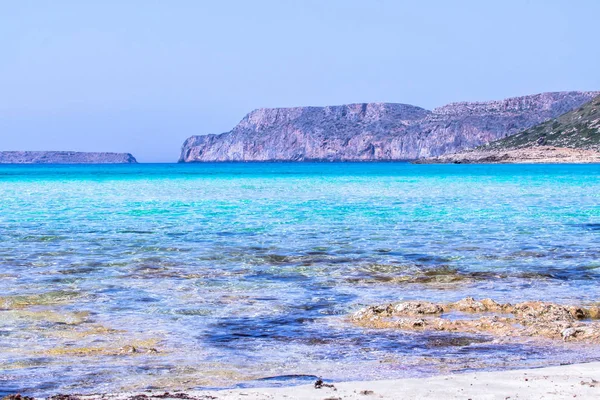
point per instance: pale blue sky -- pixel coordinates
(141, 76)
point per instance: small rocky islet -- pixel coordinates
(64, 157)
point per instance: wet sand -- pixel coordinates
(581, 381)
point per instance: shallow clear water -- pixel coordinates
(243, 274)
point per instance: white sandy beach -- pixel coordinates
(581, 381)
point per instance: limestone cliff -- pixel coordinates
(576, 129)
(376, 131)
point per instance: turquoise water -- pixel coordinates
(244, 274)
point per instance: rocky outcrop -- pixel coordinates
(64, 157)
(376, 131)
(573, 137)
(576, 129)
(528, 319)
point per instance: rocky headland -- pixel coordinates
(573, 137)
(64, 157)
(376, 131)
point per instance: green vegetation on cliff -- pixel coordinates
(577, 129)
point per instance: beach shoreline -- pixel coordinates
(581, 381)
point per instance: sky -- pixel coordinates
(141, 76)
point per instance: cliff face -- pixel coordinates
(576, 129)
(376, 131)
(573, 137)
(64, 157)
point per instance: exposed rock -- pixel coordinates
(527, 319)
(17, 397)
(64, 157)
(63, 397)
(376, 131)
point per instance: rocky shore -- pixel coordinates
(532, 319)
(529, 155)
(64, 157)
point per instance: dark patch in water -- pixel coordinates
(306, 259)
(527, 254)
(426, 258)
(235, 234)
(284, 328)
(422, 274)
(454, 340)
(563, 274)
(147, 300)
(283, 277)
(288, 377)
(276, 259)
(257, 248)
(592, 226)
(281, 380)
(77, 270)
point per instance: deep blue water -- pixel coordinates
(238, 273)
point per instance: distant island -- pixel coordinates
(377, 131)
(64, 157)
(573, 137)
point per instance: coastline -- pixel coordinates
(529, 155)
(580, 381)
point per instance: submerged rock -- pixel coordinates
(526, 319)
(42, 299)
(136, 347)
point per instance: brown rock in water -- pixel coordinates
(63, 397)
(594, 312)
(417, 308)
(17, 397)
(526, 319)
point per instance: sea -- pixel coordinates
(198, 276)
